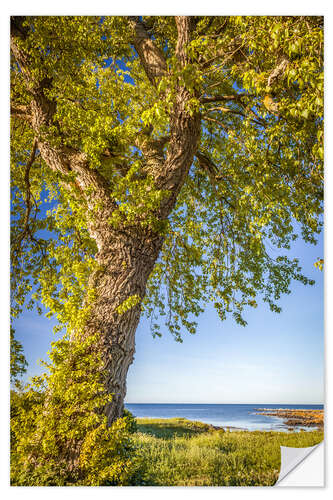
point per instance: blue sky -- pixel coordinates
(277, 358)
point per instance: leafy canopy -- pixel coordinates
(256, 179)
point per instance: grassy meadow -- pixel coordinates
(179, 452)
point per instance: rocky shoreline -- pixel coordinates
(295, 418)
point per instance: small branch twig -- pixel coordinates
(26, 229)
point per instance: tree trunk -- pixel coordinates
(127, 260)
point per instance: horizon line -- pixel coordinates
(177, 403)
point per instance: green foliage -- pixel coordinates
(173, 454)
(128, 304)
(268, 180)
(59, 434)
(227, 236)
(319, 264)
(18, 363)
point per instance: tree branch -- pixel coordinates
(62, 159)
(205, 29)
(278, 72)
(170, 174)
(209, 166)
(228, 53)
(213, 174)
(208, 118)
(223, 98)
(235, 112)
(22, 112)
(185, 25)
(151, 56)
(26, 229)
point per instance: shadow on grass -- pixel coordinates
(171, 427)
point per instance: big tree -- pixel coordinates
(159, 163)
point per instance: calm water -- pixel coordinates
(224, 415)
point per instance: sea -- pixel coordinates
(233, 416)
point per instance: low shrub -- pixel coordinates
(59, 433)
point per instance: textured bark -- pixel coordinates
(126, 256)
(150, 55)
(127, 260)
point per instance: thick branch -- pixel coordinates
(169, 170)
(184, 128)
(150, 55)
(185, 25)
(22, 112)
(209, 166)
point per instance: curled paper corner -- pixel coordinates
(292, 458)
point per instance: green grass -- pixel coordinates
(178, 452)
